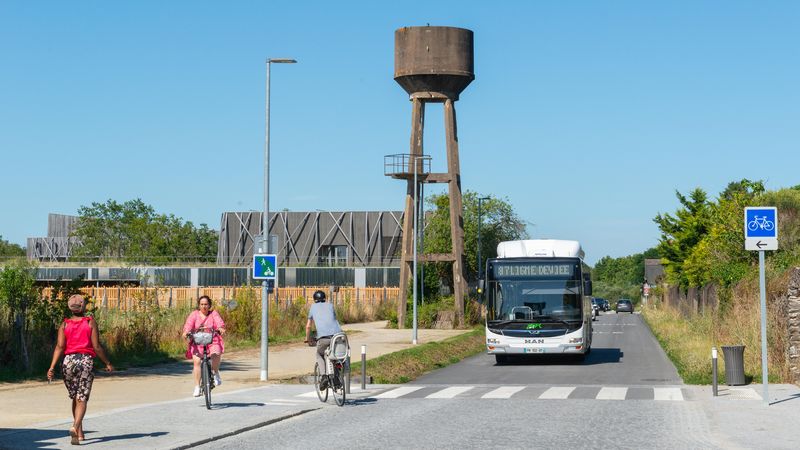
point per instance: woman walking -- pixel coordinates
(204, 318)
(79, 342)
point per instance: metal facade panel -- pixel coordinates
(171, 276)
(63, 273)
(314, 276)
(371, 238)
(227, 276)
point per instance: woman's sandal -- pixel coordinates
(73, 437)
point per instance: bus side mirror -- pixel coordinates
(481, 286)
(587, 287)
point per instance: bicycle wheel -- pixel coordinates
(321, 393)
(769, 225)
(205, 371)
(337, 384)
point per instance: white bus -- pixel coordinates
(537, 300)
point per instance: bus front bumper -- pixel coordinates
(500, 349)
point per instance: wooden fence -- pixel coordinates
(125, 298)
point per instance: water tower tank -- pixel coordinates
(433, 59)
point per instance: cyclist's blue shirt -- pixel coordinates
(324, 318)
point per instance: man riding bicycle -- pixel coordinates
(323, 316)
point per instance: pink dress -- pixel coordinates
(196, 321)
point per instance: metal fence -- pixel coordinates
(130, 298)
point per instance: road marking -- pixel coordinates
(450, 392)
(673, 394)
(399, 392)
(612, 393)
(557, 393)
(308, 394)
(503, 392)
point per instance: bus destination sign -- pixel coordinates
(533, 270)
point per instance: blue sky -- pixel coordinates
(585, 116)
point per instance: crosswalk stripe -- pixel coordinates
(398, 392)
(503, 392)
(674, 394)
(309, 394)
(557, 393)
(450, 392)
(612, 393)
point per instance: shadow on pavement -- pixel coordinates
(181, 368)
(603, 356)
(361, 402)
(234, 405)
(597, 356)
(26, 438)
(121, 437)
(791, 397)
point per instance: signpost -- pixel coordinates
(265, 267)
(760, 234)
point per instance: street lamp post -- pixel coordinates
(264, 248)
(414, 289)
(480, 220)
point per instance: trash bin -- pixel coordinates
(734, 364)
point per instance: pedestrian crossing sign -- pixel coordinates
(265, 267)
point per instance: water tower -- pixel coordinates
(433, 64)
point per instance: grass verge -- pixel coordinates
(406, 365)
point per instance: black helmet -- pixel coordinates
(319, 296)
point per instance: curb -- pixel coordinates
(242, 430)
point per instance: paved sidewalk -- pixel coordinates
(35, 403)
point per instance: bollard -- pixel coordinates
(363, 367)
(714, 370)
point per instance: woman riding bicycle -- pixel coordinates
(205, 318)
(323, 316)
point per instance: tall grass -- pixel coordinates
(147, 333)
(688, 340)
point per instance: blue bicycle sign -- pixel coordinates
(761, 222)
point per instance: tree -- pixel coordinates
(499, 223)
(9, 249)
(17, 294)
(681, 233)
(620, 277)
(132, 231)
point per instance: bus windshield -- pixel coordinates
(534, 300)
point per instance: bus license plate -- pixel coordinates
(533, 350)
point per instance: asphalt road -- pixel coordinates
(624, 353)
(625, 395)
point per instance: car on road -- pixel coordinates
(624, 305)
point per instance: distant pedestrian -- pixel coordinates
(79, 342)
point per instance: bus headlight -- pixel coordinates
(492, 341)
(576, 340)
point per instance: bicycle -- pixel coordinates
(760, 222)
(337, 357)
(204, 338)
